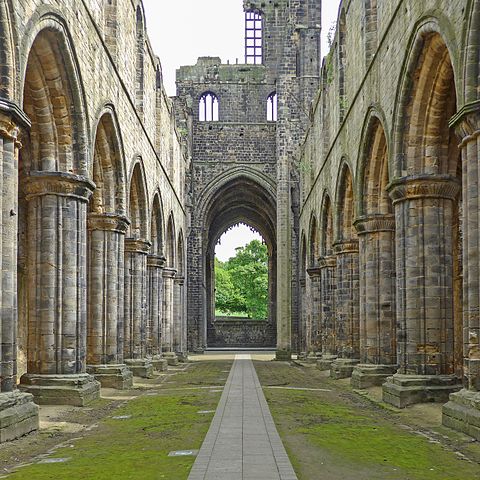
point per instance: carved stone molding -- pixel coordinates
(62, 184)
(179, 281)
(314, 272)
(424, 186)
(156, 261)
(467, 123)
(375, 223)
(345, 247)
(169, 272)
(108, 222)
(135, 245)
(12, 120)
(327, 262)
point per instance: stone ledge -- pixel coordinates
(159, 364)
(18, 415)
(171, 358)
(325, 363)
(343, 368)
(366, 376)
(141, 367)
(77, 390)
(402, 390)
(112, 376)
(462, 413)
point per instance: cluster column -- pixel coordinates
(378, 354)
(424, 211)
(347, 310)
(315, 346)
(105, 300)
(462, 412)
(179, 318)
(155, 265)
(57, 289)
(18, 413)
(168, 326)
(327, 267)
(135, 353)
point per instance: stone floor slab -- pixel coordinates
(242, 442)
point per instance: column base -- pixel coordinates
(182, 357)
(325, 363)
(140, 367)
(402, 390)
(462, 413)
(171, 358)
(18, 415)
(311, 358)
(366, 375)
(77, 390)
(112, 376)
(343, 368)
(283, 355)
(159, 363)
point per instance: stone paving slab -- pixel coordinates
(242, 442)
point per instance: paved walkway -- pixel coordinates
(242, 442)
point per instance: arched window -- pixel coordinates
(140, 61)
(253, 38)
(272, 107)
(208, 108)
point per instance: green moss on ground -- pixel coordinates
(137, 447)
(332, 435)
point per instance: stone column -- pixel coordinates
(378, 355)
(424, 206)
(315, 301)
(168, 316)
(304, 329)
(135, 328)
(105, 300)
(57, 289)
(328, 267)
(18, 413)
(462, 412)
(347, 310)
(155, 265)
(178, 319)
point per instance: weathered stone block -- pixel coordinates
(342, 368)
(325, 363)
(171, 358)
(366, 376)
(159, 364)
(462, 413)
(18, 415)
(77, 390)
(140, 367)
(112, 376)
(402, 390)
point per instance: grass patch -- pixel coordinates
(138, 447)
(337, 435)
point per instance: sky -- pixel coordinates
(180, 31)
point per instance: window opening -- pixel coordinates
(208, 108)
(253, 38)
(272, 102)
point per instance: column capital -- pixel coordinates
(329, 261)
(424, 186)
(62, 184)
(375, 223)
(345, 246)
(136, 245)
(156, 261)
(179, 281)
(169, 272)
(467, 123)
(108, 222)
(314, 272)
(12, 120)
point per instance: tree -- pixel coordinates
(242, 281)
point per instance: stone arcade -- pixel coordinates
(360, 171)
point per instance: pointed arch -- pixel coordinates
(170, 247)
(180, 255)
(157, 226)
(54, 100)
(326, 236)
(108, 166)
(313, 253)
(137, 205)
(303, 256)
(7, 54)
(345, 214)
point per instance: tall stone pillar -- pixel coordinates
(315, 301)
(57, 289)
(155, 264)
(347, 310)
(328, 267)
(462, 412)
(179, 317)
(304, 330)
(378, 355)
(135, 328)
(105, 300)
(424, 208)
(168, 316)
(18, 413)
